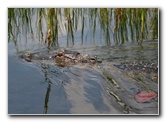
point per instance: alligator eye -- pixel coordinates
(92, 59)
(28, 59)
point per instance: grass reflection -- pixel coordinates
(48, 81)
(117, 24)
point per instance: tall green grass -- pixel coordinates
(123, 24)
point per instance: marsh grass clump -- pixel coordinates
(117, 24)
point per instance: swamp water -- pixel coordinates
(105, 88)
(42, 87)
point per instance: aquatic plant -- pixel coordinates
(48, 24)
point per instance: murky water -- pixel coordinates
(128, 66)
(41, 87)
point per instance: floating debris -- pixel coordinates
(145, 96)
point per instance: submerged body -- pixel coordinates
(62, 58)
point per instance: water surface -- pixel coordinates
(42, 87)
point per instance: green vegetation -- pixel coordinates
(117, 24)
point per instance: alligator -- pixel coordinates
(62, 58)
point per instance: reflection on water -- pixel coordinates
(57, 27)
(81, 90)
(120, 38)
(105, 88)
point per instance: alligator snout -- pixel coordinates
(62, 58)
